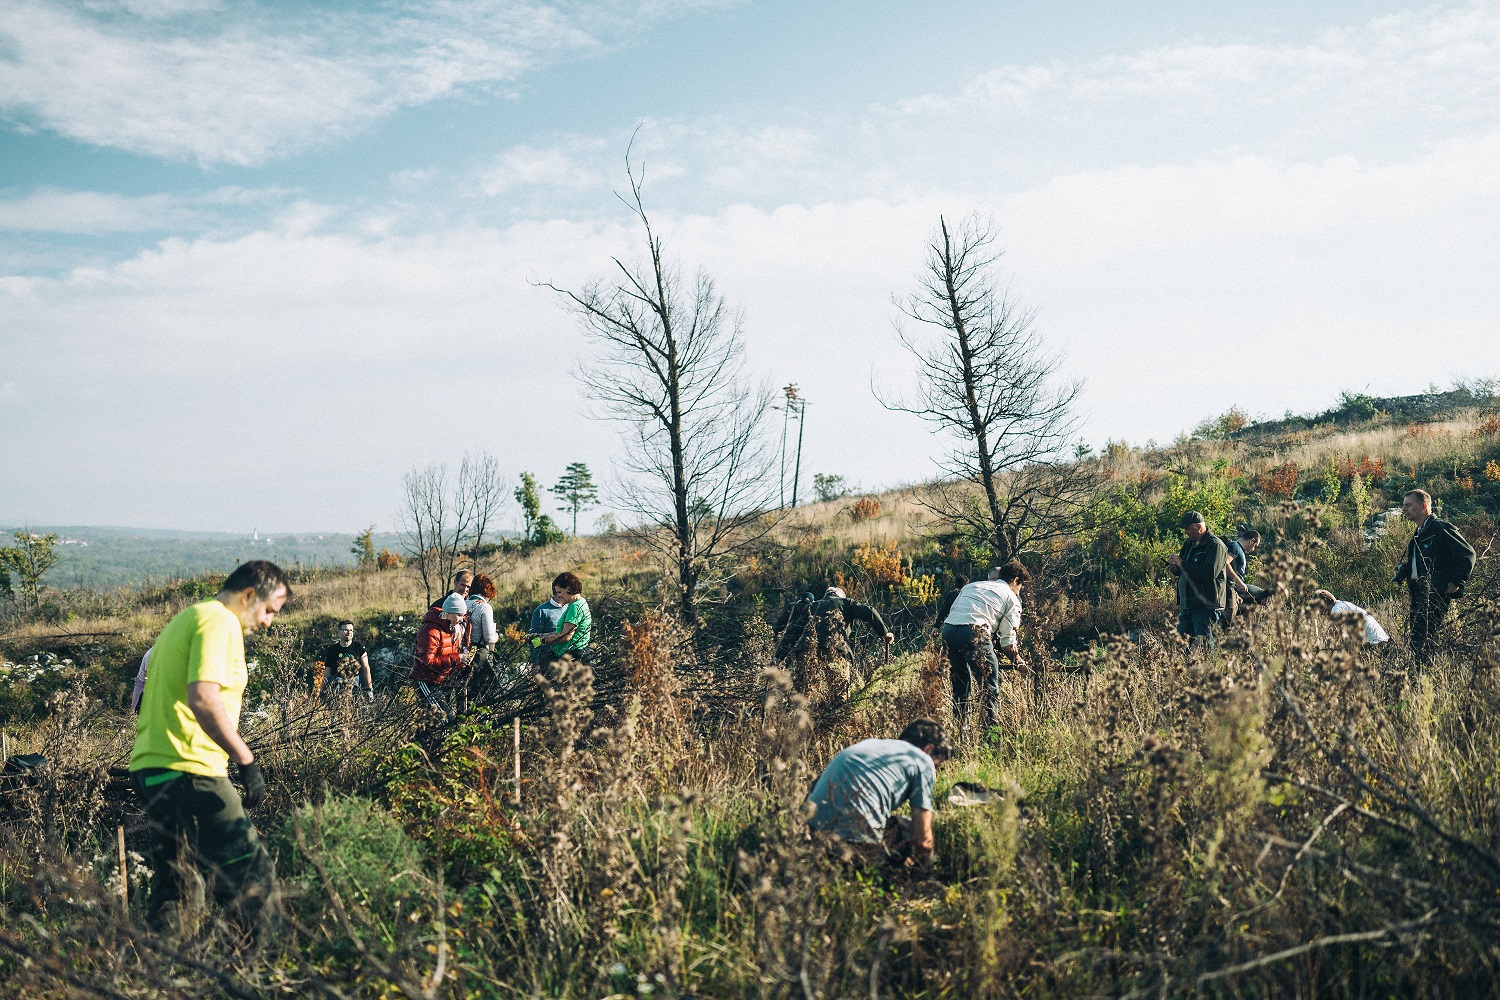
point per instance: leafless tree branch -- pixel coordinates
(986, 379)
(669, 365)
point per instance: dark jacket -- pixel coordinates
(437, 655)
(852, 611)
(791, 625)
(1439, 552)
(1201, 582)
(945, 605)
(794, 615)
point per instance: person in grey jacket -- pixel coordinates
(1437, 565)
(1201, 578)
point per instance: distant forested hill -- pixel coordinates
(109, 557)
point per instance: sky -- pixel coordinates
(258, 259)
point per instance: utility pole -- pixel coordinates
(786, 416)
(801, 404)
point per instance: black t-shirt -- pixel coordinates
(343, 662)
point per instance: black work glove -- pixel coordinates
(254, 780)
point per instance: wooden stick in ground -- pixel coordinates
(517, 798)
(4, 747)
(124, 875)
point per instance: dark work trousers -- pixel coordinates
(199, 821)
(971, 658)
(1429, 607)
(483, 674)
(441, 697)
(1198, 623)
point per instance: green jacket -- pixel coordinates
(1437, 551)
(1201, 584)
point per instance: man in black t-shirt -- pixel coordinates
(346, 666)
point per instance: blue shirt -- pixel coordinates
(544, 619)
(1237, 557)
(863, 784)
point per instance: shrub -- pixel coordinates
(882, 565)
(864, 509)
(1224, 426)
(920, 590)
(1280, 483)
(370, 860)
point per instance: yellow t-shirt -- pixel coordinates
(203, 643)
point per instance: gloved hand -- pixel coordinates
(254, 781)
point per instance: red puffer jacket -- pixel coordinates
(437, 655)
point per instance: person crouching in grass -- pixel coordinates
(861, 787)
(187, 734)
(575, 625)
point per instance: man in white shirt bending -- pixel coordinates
(985, 617)
(1374, 634)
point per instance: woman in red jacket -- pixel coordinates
(438, 655)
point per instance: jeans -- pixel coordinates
(1197, 623)
(971, 656)
(199, 821)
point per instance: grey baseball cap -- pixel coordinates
(1191, 517)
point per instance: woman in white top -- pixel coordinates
(482, 632)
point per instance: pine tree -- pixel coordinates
(577, 490)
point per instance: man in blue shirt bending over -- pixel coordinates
(854, 797)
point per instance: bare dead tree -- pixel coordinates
(486, 490)
(443, 520)
(985, 378)
(670, 366)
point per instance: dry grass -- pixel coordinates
(1184, 814)
(1433, 445)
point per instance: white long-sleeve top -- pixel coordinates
(482, 618)
(990, 603)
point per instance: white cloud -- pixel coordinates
(558, 166)
(1383, 92)
(1300, 265)
(1298, 279)
(49, 210)
(1444, 64)
(52, 211)
(182, 81)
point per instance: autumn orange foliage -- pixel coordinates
(1280, 482)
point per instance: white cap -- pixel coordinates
(835, 592)
(454, 604)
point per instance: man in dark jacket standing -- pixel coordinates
(1438, 562)
(1201, 578)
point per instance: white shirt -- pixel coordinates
(140, 682)
(483, 618)
(1373, 632)
(990, 603)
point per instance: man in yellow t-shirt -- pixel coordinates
(186, 736)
